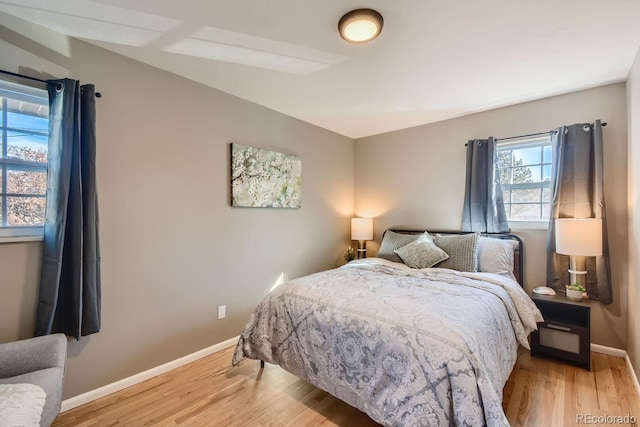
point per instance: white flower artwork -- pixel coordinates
(264, 179)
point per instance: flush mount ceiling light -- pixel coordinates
(360, 26)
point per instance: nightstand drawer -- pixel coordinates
(561, 340)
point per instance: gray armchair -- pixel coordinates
(40, 361)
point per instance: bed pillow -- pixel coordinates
(496, 256)
(462, 250)
(421, 253)
(392, 241)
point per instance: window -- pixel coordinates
(524, 165)
(24, 128)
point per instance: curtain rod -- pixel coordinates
(539, 133)
(542, 133)
(22, 76)
(524, 136)
(520, 136)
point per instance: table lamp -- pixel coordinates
(362, 230)
(578, 238)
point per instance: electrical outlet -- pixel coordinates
(222, 311)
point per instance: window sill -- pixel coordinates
(20, 239)
(529, 225)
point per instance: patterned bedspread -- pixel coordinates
(430, 347)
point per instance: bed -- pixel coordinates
(404, 343)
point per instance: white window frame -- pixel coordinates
(9, 234)
(523, 143)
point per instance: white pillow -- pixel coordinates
(21, 404)
(496, 256)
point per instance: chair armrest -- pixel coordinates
(33, 354)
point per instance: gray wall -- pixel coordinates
(633, 296)
(172, 247)
(415, 178)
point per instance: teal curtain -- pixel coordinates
(70, 294)
(483, 209)
(577, 192)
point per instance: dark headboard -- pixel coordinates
(518, 258)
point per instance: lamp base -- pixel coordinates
(362, 249)
(578, 270)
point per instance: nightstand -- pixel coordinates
(565, 333)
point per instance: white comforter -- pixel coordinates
(408, 347)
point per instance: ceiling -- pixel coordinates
(434, 59)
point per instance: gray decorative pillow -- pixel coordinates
(392, 241)
(462, 250)
(421, 253)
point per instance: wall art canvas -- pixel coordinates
(265, 179)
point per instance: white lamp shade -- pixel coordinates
(579, 237)
(361, 229)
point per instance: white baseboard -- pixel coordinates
(634, 377)
(616, 352)
(89, 396)
(611, 351)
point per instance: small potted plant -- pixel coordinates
(574, 292)
(349, 254)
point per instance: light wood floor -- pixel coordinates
(209, 392)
